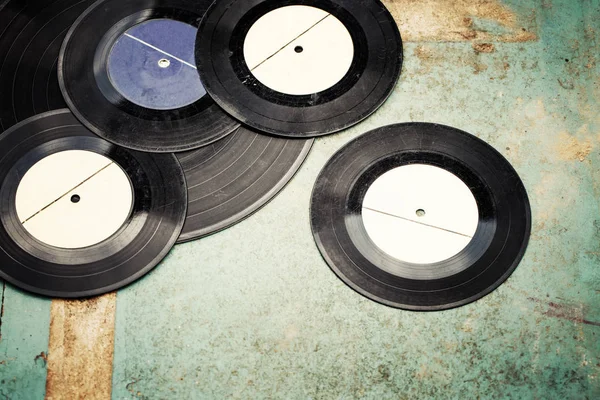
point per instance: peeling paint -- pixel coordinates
(484, 48)
(458, 21)
(569, 148)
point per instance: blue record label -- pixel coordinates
(152, 65)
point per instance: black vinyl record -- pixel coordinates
(31, 33)
(93, 96)
(495, 250)
(154, 222)
(371, 76)
(235, 176)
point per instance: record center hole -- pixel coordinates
(75, 198)
(164, 63)
(298, 49)
(420, 212)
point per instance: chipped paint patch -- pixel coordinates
(458, 21)
(427, 57)
(569, 148)
(569, 312)
(80, 349)
(484, 47)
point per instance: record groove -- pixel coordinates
(31, 33)
(234, 177)
(155, 221)
(494, 252)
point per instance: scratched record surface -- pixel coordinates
(31, 33)
(420, 216)
(235, 176)
(79, 215)
(127, 72)
(299, 68)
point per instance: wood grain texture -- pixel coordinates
(80, 350)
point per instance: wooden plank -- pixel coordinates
(80, 350)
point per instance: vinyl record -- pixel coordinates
(80, 216)
(127, 71)
(299, 68)
(232, 178)
(420, 216)
(31, 33)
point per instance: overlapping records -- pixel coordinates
(131, 125)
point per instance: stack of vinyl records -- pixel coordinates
(129, 126)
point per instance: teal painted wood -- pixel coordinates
(23, 345)
(254, 312)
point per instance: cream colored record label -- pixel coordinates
(74, 199)
(298, 50)
(420, 214)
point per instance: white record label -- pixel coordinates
(420, 214)
(74, 199)
(298, 50)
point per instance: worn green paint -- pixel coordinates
(254, 312)
(23, 337)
